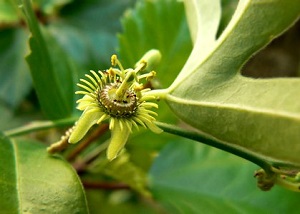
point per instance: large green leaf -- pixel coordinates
(191, 178)
(259, 116)
(51, 70)
(34, 182)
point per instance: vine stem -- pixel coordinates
(211, 141)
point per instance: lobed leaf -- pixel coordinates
(259, 116)
(34, 182)
(251, 28)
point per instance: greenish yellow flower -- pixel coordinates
(118, 96)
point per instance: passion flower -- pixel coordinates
(116, 95)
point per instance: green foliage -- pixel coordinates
(189, 177)
(242, 111)
(47, 46)
(54, 82)
(32, 181)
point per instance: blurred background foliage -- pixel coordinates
(182, 176)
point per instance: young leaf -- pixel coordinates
(34, 182)
(50, 69)
(260, 116)
(188, 177)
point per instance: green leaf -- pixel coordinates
(15, 81)
(51, 70)
(188, 177)
(251, 114)
(251, 28)
(34, 182)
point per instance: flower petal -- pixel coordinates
(118, 139)
(151, 125)
(83, 102)
(85, 122)
(154, 128)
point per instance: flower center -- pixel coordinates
(115, 106)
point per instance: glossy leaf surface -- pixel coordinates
(34, 182)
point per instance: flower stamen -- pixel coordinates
(117, 95)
